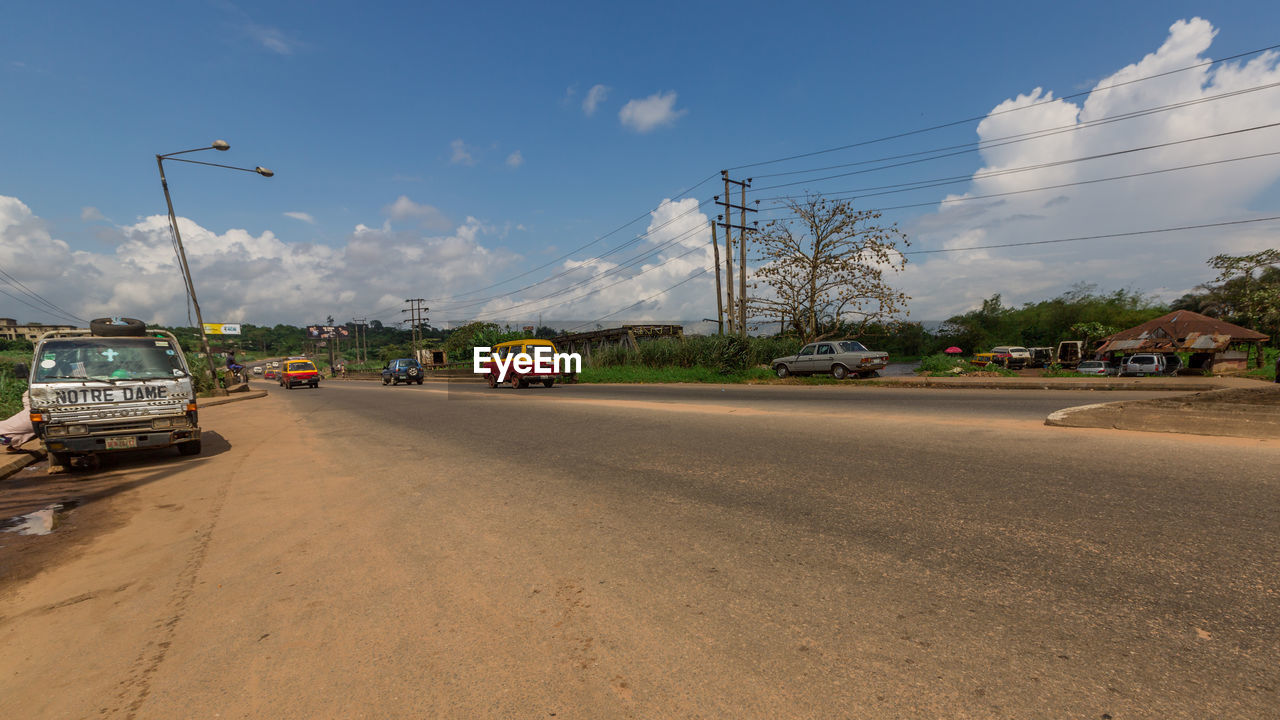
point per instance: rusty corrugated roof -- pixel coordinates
(1181, 327)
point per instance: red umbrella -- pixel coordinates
(953, 350)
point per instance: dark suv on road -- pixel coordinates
(404, 370)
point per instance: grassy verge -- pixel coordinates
(1268, 369)
(754, 376)
(11, 388)
(643, 374)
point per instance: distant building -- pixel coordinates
(11, 330)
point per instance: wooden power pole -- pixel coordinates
(715, 248)
(415, 311)
(738, 313)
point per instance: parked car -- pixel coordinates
(991, 358)
(1019, 356)
(117, 386)
(1040, 357)
(839, 358)
(299, 372)
(404, 370)
(257, 370)
(1150, 364)
(1097, 367)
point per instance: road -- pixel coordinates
(599, 552)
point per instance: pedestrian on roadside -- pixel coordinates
(18, 429)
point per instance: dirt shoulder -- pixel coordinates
(1249, 412)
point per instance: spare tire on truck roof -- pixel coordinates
(117, 327)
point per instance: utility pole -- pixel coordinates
(738, 314)
(415, 314)
(715, 248)
(362, 346)
(728, 268)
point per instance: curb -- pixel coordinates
(1211, 413)
(1045, 384)
(210, 402)
(11, 463)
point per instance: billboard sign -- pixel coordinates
(319, 332)
(222, 328)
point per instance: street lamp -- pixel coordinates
(177, 237)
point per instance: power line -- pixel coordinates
(1040, 166)
(458, 306)
(705, 270)
(1095, 237)
(1129, 176)
(581, 247)
(499, 313)
(701, 272)
(17, 284)
(965, 148)
(1001, 112)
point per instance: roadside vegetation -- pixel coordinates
(954, 365)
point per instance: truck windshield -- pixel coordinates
(108, 359)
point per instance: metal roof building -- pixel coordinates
(1213, 344)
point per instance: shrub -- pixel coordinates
(945, 363)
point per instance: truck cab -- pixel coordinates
(116, 386)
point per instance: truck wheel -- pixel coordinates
(548, 383)
(419, 381)
(516, 383)
(59, 461)
(840, 372)
(492, 379)
(189, 448)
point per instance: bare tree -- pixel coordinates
(827, 264)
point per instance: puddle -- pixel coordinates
(40, 522)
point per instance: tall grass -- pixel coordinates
(11, 389)
(724, 354)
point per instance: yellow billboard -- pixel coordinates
(222, 328)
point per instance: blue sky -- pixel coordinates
(474, 114)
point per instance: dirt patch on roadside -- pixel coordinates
(32, 488)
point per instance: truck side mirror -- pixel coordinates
(21, 371)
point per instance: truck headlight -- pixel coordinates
(77, 430)
(55, 431)
(161, 423)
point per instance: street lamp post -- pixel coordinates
(177, 238)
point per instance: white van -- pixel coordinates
(116, 386)
(1019, 356)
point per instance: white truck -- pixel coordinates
(116, 386)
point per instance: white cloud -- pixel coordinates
(655, 111)
(304, 217)
(241, 277)
(271, 39)
(427, 216)
(579, 294)
(1166, 264)
(595, 96)
(515, 159)
(461, 153)
(89, 213)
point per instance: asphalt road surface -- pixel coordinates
(654, 551)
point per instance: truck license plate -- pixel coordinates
(122, 443)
